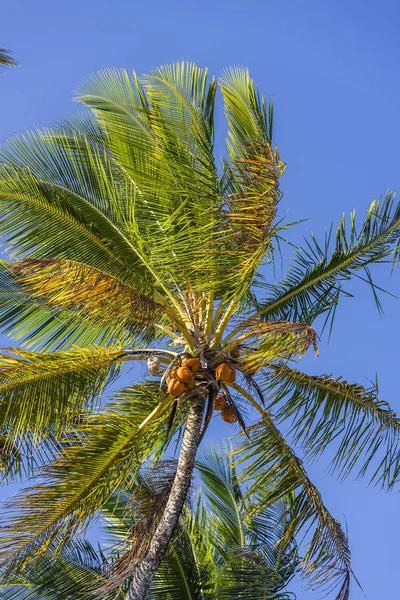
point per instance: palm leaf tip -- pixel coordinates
(250, 180)
(6, 58)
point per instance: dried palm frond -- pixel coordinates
(145, 509)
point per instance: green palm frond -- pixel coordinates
(314, 285)
(10, 459)
(324, 410)
(46, 186)
(249, 118)
(6, 60)
(274, 472)
(225, 497)
(250, 538)
(41, 391)
(159, 130)
(101, 456)
(77, 572)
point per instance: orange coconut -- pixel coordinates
(225, 373)
(220, 402)
(172, 375)
(192, 363)
(184, 374)
(229, 414)
(176, 388)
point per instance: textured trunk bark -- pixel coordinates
(145, 571)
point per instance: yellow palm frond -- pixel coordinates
(96, 295)
(262, 342)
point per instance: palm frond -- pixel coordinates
(263, 342)
(274, 472)
(224, 495)
(314, 285)
(105, 451)
(42, 392)
(93, 294)
(40, 323)
(324, 410)
(159, 130)
(47, 186)
(250, 181)
(251, 559)
(77, 572)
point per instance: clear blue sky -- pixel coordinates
(332, 69)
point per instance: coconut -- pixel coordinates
(225, 373)
(184, 374)
(176, 388)
(192, 363)
(220, 402)
(229, 414)
(172, 375)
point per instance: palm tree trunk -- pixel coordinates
(145, 571)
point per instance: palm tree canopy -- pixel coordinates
(127, 240)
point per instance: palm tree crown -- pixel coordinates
(128, 242)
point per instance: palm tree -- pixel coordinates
(6, 60)
(220, 548)
(127, 242)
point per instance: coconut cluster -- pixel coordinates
(181, 379)
(228, 413)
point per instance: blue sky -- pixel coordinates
(332, 69)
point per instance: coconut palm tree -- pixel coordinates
(127, 241)
(6, 60)
(220, 549)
